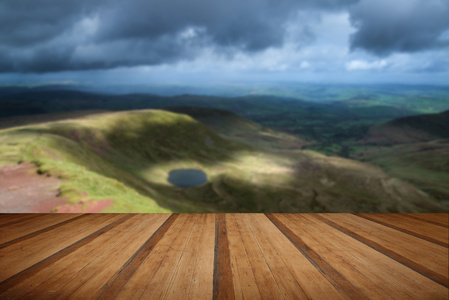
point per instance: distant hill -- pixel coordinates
(411, 129)
(414, 149)
(329, 122)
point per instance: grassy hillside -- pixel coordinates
(235, 127)
(126, 156)
(414, 149)
(107, 156)
(413, 129)
(425, 165)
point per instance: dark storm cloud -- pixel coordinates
(386, 26)
(25, 22)
(52, 35)
(250, 24)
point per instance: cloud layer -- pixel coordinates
(51, 36)
(385, 26)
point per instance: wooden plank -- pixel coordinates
(6, 218)
(37, 261)
(117, 281)
(437, 219)
(343, 285)
(373, 273)
(426, 231)
(154, 272)
(62, 270)
(314, 284)
(202, 280)
(244, 280)
(11, 219)
(29, 224)
(276, 282)
(183, 275)
(223, 284)
(130, 237)
(159, 284)
(20, 232)
(293, 256)
(422, 256)
(261, 265)
(21, 256)
(89, 280)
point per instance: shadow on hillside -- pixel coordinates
(226, 193)
(156, 140)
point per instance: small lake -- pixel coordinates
(186, 178)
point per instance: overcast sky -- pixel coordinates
(176, 41)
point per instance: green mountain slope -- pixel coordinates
(235, 127)
(414, 149)
(411, 129)
(126, 156)
(425, 165)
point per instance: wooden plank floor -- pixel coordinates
(224, 256)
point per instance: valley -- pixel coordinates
(260, 153)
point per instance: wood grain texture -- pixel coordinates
(223, 286)
(20, 261)
(422, 256)
(116, 282)
(223, 256)
(160, 256)
(10, 235)
(49, 279)
(311, 280)
(11, 219)
(374, 274)
(185, 273)
(243, 277)
(342, 284)
(203, 274)
(426, 231)
(115, 260)
(437, 219)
